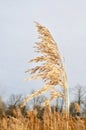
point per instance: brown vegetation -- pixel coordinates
(44, 117)
(50, 121)
(51, 71)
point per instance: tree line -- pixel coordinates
(77, 105)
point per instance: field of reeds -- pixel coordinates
(50, 121)
(52, 72)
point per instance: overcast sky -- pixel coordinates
(66, 19)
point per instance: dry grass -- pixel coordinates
(51, 70)
(51, 121)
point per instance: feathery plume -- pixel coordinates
(51, 70)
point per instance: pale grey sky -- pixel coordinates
(64, 18)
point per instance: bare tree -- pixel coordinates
(37, 101)
(14, 100)
(79, 95)
(60, 104)
(13, 105)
